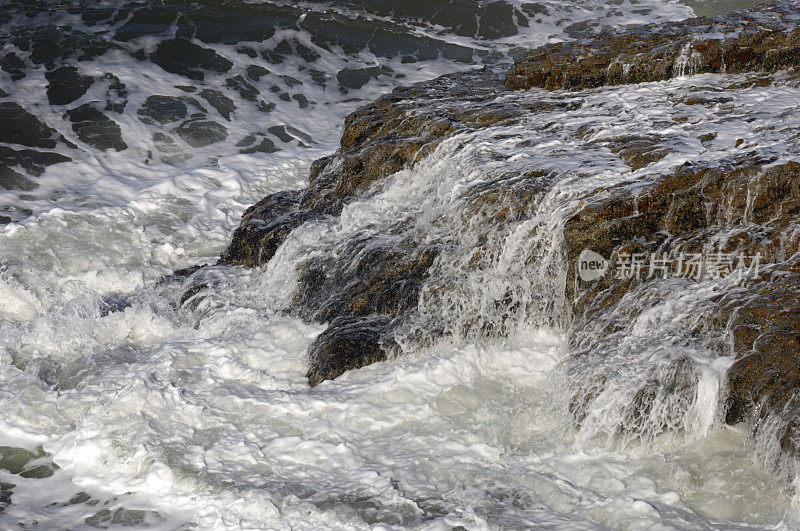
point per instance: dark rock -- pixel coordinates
(264, 228)
(15, 66)
(66, 85)
(95, 128)
(12, 180)
(162, 110)
(280, 132)
(183, 57)
(355, 78)
(347, 344)
(256, 72)
(222, 103)
(201, 133)
(146, 21)
(116, 94)
(52, 45)
(381, 281)
(302, 101)
(32, 161)
(18, 126)
(245, 89)
(265, 146)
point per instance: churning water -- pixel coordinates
(132, 137)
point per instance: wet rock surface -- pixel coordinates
(741, 202)
(95, 128)
(762, 40)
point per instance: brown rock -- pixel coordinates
(754, 41)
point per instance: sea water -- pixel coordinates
(119, 408)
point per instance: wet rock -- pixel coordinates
(264, 106)
(222, 103)
(280, 132)
(18, 126)
(391, 134)
(183, 57)
(245, 89)
(381, 281)
(265, 146)
(172, 152)
(51, 46)
(154, 20)
(248, 140)
(764, 42)
(14, 65)
(162, 110)
(201, 133)
(116, 94)
(682, 211)
(757, 320)
(256, 72)
(95, 128)
(291, 81)
(301, 100)
(379, 140)
(12, 180)
(233, 23)
(6, 489)
(32, 161)
(355, 78)
(264, 228)
(347, 344)
(66, 85)
(364, 297)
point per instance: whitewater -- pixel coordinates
(122, 408)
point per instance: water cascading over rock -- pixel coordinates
(457, 208)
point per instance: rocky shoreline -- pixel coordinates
(743, 203)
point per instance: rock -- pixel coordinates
(18, 126)
(14, 65)
(200, 133)
(66, 85)
(256, 72)
(52, 46)
(222, 103)
(391, 134)
(347, 344)
(32, 161)
(367, 298)
(245, 89)
(264, 227)
(162, 110)
(382, 281)
(95, 128)
(265, 146)
(116, 94)
(757, 321)
(12, 180)
(350, 78)
(183, 57)
(765, 41)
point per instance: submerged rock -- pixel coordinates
(66, 85)
(95, 128)
(18, 126)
